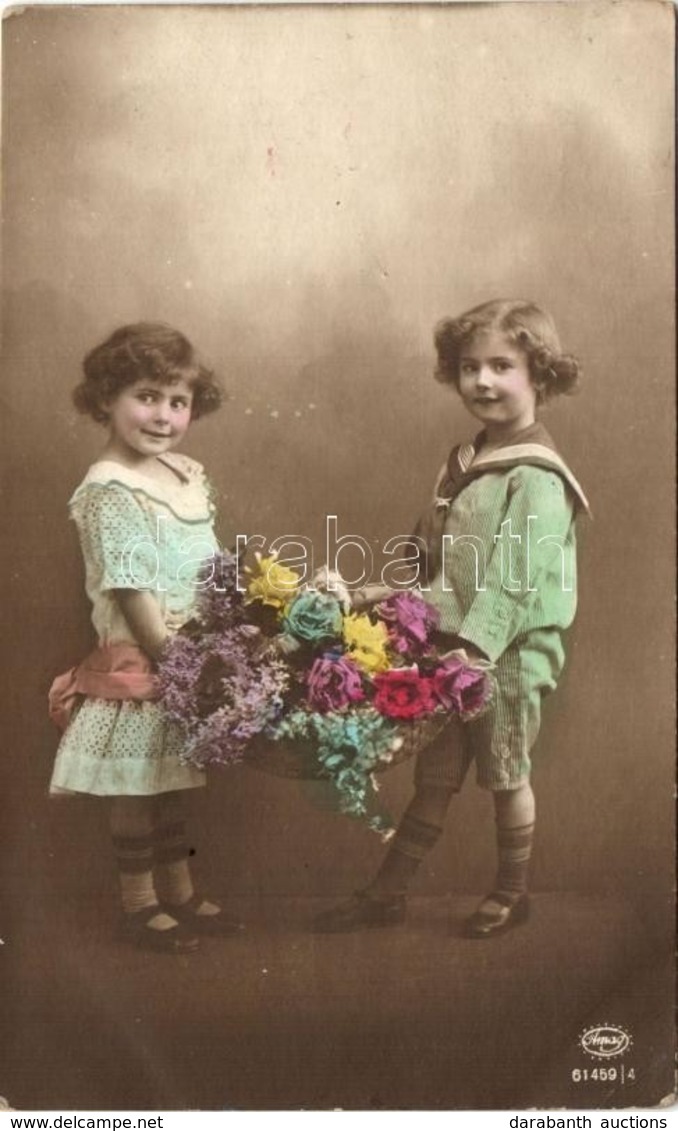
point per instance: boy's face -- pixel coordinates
(495, 384)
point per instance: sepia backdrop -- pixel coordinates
(305, 191)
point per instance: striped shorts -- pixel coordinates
(500, 741)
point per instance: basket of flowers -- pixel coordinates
(291, 679)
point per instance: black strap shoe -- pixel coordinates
(142, 929)
(486, 923)
(189, 916)
(360, 911)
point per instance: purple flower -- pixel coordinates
(461, 689)
(220, 604)
(333, 683)
(411, 621)
(222, 689)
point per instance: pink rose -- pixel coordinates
(460, 688)
(402, 693)
(411, 621)
(334, 683)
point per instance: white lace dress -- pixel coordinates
(135, 533)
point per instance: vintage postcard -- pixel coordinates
(317, 283)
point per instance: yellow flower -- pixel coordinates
(366, 642)
(273, 584)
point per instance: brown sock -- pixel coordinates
(171, 855)
(514, 849)
(173, 871)
(418, 832)
(134, 857)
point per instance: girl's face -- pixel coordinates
(147, 419)
(495, 384)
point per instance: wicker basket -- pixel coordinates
(288, 759)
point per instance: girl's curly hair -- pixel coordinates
(150, 351)
(527, 326)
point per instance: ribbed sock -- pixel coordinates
(134, 857)
(514, 849)
(418, 832)
(171, 853)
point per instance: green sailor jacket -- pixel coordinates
(508, 542)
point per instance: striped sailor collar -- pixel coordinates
(533, 445)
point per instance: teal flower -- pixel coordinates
(313, 617)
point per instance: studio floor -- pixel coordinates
(277, 1018)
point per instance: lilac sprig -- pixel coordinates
(222, 690)
(220, 604)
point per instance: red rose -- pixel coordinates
(402, 693)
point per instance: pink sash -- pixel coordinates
(113, 671)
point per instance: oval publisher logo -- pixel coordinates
(605, 1041)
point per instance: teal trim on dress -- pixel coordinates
(140, 491)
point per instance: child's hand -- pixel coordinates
(143, 615)
(286, 645)
(470, 654)
(370, 595)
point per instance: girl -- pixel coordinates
(144, 517)
(497, 551)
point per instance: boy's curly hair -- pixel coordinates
(527, 326)
(150, 351)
